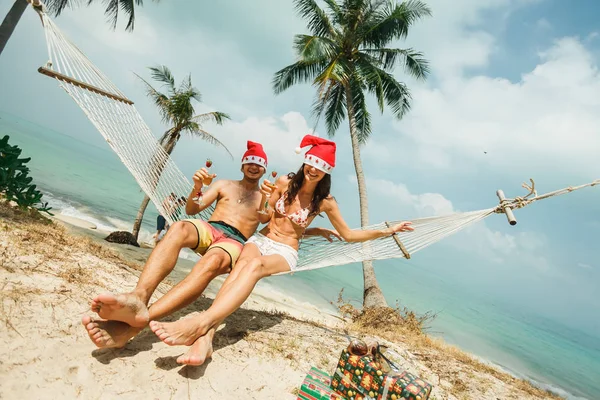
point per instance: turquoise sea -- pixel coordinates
(89, 182)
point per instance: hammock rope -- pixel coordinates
(123, 128)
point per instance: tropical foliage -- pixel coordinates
(15, 183)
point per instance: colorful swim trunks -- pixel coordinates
(218, 234)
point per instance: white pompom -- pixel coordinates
(298, 150)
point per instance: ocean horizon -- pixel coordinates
(87, 181)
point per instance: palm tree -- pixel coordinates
(55, 7)
(177, 110)
(344, 57)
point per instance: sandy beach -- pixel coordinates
(50, 270)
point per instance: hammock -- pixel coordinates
(117, 119)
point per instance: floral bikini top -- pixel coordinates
(300, 217)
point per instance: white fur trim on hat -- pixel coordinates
(255, 160)
(318, 163)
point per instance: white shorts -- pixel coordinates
(269, 247)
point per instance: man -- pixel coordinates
(219, 241)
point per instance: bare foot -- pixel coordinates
(200, 351)
(126, 307)
(183, 332)
(109, 334)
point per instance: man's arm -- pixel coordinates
(208, 197)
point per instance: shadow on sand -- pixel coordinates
(237, 326)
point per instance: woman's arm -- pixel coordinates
(332, 210)
(326, 233)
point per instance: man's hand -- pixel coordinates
(404, 226)
(200, 175)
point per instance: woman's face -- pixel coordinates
(311, 174)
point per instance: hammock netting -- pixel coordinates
(117, 119)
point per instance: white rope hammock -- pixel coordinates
(127, 134)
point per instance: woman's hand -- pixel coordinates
(404, 226)
(328, 233)
(266, 189)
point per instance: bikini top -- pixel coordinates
(300, 217)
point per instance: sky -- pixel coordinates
(513, 95)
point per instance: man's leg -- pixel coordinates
(114, 334)
(214, 263)
(131, 308)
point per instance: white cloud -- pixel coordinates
(546, 122)
(424, 204)
(584, 266)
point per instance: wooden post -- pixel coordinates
(399, 243)
(507, 210)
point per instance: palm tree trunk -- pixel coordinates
(10, 21)
(137, 224)
(372, 294)
(168, 146)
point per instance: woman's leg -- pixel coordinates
(249, 252)
(186, 331)
(202, 348)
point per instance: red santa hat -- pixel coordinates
(255, 155)
(321, 155)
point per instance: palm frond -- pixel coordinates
(215, 116)
(56, 7)
(386, 88)
(129, 8)
(335, 111)
(112, 11)
(335, 13)
(299, 72)
(414, 62)
(163, 74)
(393, 22)
(318, 21)
(310, 48)
(160, 100)
(194, 129)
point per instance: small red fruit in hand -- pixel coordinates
(274, 174)
(208, 163)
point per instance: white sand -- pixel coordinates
(47, 279)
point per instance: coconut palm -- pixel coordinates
(177, 110)
(55, 7)
(346, 56)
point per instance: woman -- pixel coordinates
(295, 201)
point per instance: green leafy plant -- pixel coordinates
(15, 184)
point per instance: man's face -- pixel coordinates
(253, 172)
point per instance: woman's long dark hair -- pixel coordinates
(321, 192)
